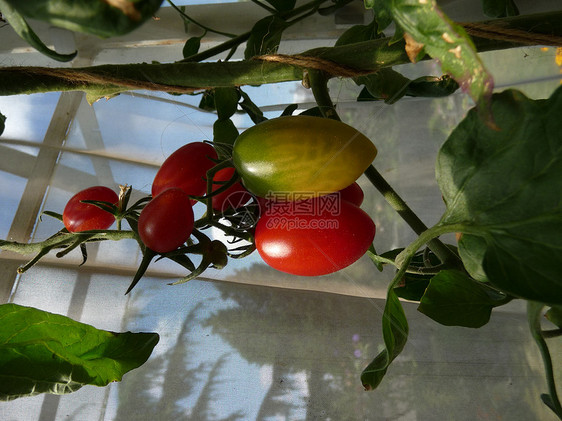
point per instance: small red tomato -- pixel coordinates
(353, 194)
(166, 222)
(233, 197)
(311, 240)
(186, 169)
(78, 216)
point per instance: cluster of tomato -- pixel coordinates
(314, 236)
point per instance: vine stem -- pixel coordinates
(318, 82)
(204, 27)
(63, 239)
(534, 311)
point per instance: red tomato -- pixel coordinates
(78, 216)
(308, 241)
(234, 197)
(166, 222)
(186, 169)
(353, 193)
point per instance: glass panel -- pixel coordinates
(249, 352)
(27, 118)
(11, 189)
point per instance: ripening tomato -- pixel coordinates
(233, 197)
(301, 154)
(353, 193)
(166, 222)
(310, 241)
(78, 216)
(186, 169)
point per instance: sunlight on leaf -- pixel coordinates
(41, 352)
(504, 186)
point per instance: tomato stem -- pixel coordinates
(444, 253)
(534, 312)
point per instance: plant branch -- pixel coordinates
(444, 253)
(188, 77)
(204, 27)
(63, 239)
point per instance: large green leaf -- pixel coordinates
(265, 36)
(104, 18)
(20, 26)
(454, 299)
(505, 186)
(41, 352)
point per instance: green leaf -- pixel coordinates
(386, 84)
(265, 36)
(207, 102)
(2, 123)
(412, 286)
(432, 87)
(383, 15)
(41, 352)
(454, 299)
(358, 33)
(226, 102)
(390, 86)
(191, 47)
(290, 109)
(472, 250)
(19, 24)
(283, 5)
(442, 39)
(251, 108)
(504, 187)
(499, 8)
(395, 334)
(224, 131)
(102, 18)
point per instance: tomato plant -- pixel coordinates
(78, 216)
(301, 154)
(498, 171)
(315, 240)
(166, 222)
(186, 169)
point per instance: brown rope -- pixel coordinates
(81, 77)
(316, 63)
(496, 32)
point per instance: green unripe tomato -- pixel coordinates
(301, 154)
